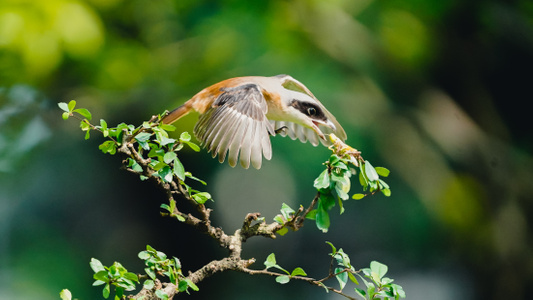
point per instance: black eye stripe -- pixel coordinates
(309, 109)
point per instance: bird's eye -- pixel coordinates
(311, 111)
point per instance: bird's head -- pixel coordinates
(305, 109)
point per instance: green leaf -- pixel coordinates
(103, 124)
(65, 115)
(358, 196)
(386, 192)
(193, 146)
(342, 188)
(182, 286)
(378, 270)
(283, 279)
(341, 206)
(370, 172)
(342, 277)
(179, 170)
(270, 261)
(65, 294)
(286, 211)
(150, 272)
(131, 276)
(322, 219)
(163, 140)
(169, 157)
(327, 201)
(279, 219)
(106, 291)
(87, 134)
(165, 173)
(371, 291)
(322, 181)
(362, 179)
(167, 127)
(85, 126)
(382, 171)
(96, 265)
(108, 147)
(98, 282)
(333, 159)
(189, 175)
(177, 263)
(134, 165)
(333, 249)
(283, 231)
(172, 205)
(398, 291)
(64, 107)
(191, 284)
(201, 197)
(298, 272)
(83, 112)
(144, 255)
(361, 292)
(143, 136)
(102, 276)
(161, 295)
(352, 278)
(342, 259)
(165, 207)
(311, 215)
(383, 185)
(185, 137)
(71, 105)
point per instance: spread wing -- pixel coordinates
(296, 131)
(236, 123)
(304, 134)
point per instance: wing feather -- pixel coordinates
(227, 139)
(236, 142)
(257, 146)
(246, 144)
(236, 126)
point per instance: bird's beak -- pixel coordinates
(331, 125)
(327, 123)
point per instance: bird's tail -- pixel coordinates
(177, 113)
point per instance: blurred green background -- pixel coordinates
(436, 91)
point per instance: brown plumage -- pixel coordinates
(238, 116)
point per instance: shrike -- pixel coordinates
(240, 114)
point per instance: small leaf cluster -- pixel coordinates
(157, 263)
(287, 213)
(334, 185)
(84, 115)
(344, 269)
(162, 150)
(370, 181)
(152, 138)
(270, 262)
(378, 286)
(115, 275)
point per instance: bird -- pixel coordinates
(238, 116)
